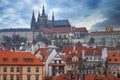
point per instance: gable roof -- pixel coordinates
(18, 58)
(43, 52)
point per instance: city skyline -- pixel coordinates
(81, 13)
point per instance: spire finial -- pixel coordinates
(53, 15)
(38, 17)
(43, 11)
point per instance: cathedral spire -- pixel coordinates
(43, 11)
(33, 20)
(38, 20)
(53, 18)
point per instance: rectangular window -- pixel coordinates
(5, 59)
(11, 69)
(18, 69)
(28, 69)
(15, 59)
(37, 78)
(55, 61)
(37, 69)
(17, 78)
(28, 77)
(59, 61)
(11, 77)
(4, 69)
(4, 77)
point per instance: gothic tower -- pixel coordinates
(53, 19)
(33, 21)
(43, 18)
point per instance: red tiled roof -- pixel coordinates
(63, 57)
(113, 57)
(18, 58)
(67, 49)
(65, 29)
(90, 51)
(81, 29)
(111, 78)
(62, 29)
(90, 76)
(43, 52)
(105, 32)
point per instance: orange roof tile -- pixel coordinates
(105, 32)
(18, 58)
(113, 57)
(111, 78)
(65, 29)
(90, 76)
(43, 52)
(90, 51)
(63, 57)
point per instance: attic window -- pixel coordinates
(5, 59)
(15, 59)
(115, 60)
(28, 59)
(113, 55)
(109, 59)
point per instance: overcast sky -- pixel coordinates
(92, 14)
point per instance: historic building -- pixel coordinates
(43, 22)
(113, 63)
(56, 31)
(20, 66)
(56, 66)
(108, 38)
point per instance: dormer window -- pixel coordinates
(5, 59)
(113, 55)
(28, 59)
(115, 60)
(15, 59)
(109, 59)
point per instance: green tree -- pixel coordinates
(14, 41)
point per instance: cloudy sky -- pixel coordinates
(92, 14)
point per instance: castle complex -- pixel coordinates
(43, 22)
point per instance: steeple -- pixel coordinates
(33, 20)
(38, 20)
(53, 18)
(43, 11)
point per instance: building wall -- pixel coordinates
(23, 72)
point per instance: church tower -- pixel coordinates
(33, 21)
(43, 19)
(53, 19)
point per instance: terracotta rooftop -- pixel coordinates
(18, 58)
(105, 32)
(90, 50)
(68, 49)
(113, 57)
(43, 52)
(65, 29)
(83, 77)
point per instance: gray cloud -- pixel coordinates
(111, 11)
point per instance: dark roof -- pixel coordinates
(58, 23)
(15, 30)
